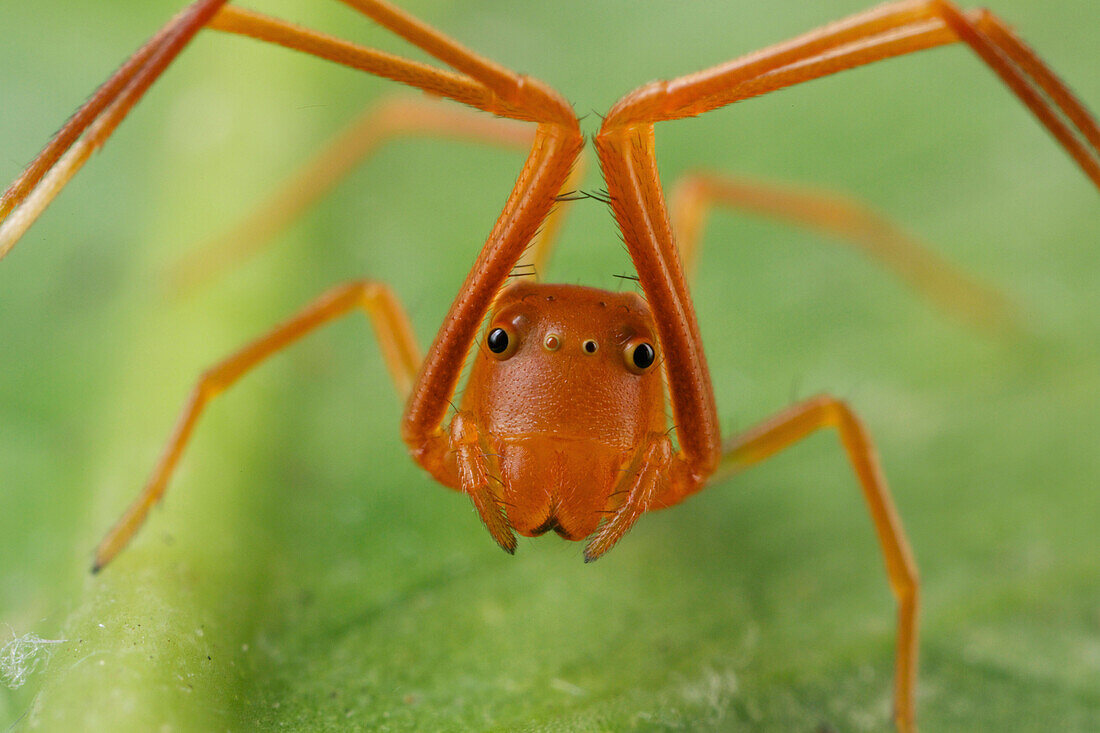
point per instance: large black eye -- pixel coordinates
(497, 341)
(639, 355)
(502, 342)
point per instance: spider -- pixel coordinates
(562, 425)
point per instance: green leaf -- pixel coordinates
(302, 573)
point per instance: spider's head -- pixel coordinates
(566, 385)
(567, 360)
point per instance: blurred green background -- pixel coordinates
(304, 574)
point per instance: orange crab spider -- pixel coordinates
(562, 424)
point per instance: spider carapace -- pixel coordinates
(562, 425)
(564, 408)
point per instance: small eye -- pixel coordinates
(590, 346)
(502, 343)
(639, 355)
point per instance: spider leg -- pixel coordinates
(438, 82)
(478, 82)
(852, 222)
(483, 84)
(544, 173)
(67, 151)
(395, 337)
(625, 145)
(890, 30)
(630, 170)
(538, 253)
(791, 426)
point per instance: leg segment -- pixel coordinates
(395, 336)
(790, 427)
(543, 175)
(437, 82)
(479, 83)
(556, 145)
(67, 151)
(538, 253)
(848, 220)
(630, 170)
(890, 30)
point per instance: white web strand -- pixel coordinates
(22, 656)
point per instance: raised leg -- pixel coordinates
(67, 151)
(888, 31)
(391, 326)
(535, 260)
(790, 427)
(630, 169)
(625, 145)
(392, 119)
(475, 81)
(478, 83)
(626, 148)
(848, 220)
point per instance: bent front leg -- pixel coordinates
(399, 350)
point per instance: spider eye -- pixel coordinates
(640, 356)
(501, 343)
(497, 340)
